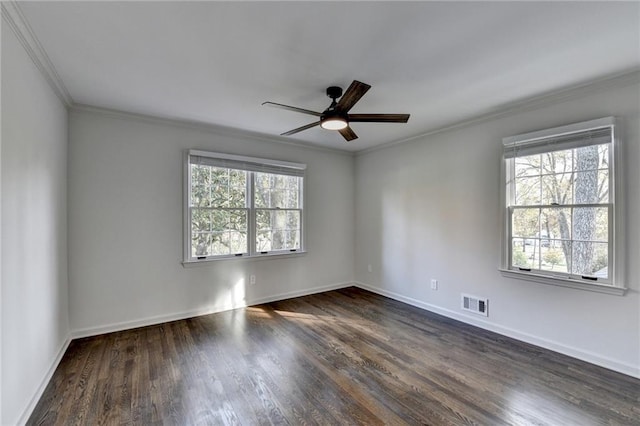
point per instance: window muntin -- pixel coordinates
(240, 206)
(559, 205)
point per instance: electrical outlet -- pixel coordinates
(252, 280)
(434, 284)
(369, 268)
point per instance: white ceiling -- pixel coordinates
(442, 62)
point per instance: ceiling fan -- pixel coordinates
(337, 116)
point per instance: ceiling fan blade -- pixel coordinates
(379, 118)
(348, 134)
(292, 108)
(353, 94)
(299, 129)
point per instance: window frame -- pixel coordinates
(615, 283)
(270, 165)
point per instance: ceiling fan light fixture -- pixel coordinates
(334, 123)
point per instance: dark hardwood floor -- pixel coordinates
(341, 357)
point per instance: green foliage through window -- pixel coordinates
(222, 211)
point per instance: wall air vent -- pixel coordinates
(475, 304)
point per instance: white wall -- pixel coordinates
(431, 209)
(35, 326)
(125, 225)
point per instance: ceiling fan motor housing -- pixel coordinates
(334, 92)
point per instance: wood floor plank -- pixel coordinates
(341, 357)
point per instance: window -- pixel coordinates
(560, 217)
(240, 206)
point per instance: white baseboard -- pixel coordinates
(593, 358)
(159, 319)
(44, 382)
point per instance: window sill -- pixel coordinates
(564, 282)
(257, 257)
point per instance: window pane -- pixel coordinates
(280, 181)
(228, 242)
(238, 220)
(263, 221)
(200, 185)
(525, 222)
(527, 191)
(521, 253)
(219, 187)
(587, 160)
(218, 232)
(237, 242)
(277, 219)
(586, 189)
(590, 258)
(293, 239)
(219, 244)
(557, 162)
(553, 257)
(603, 186)
(219, 220)
(277, 191)
(263, 241)
(294, 198)
(293, 184)
(278, 240)
(585, 223)
(527, 166)
(227, 187)
(293, 219)
(200, 220)
(277, 229)
(262, 197)
(557, 188)
(262, 189)
(237, 188)
(556, 223)
(278, 198)
(603, 156)
(200, 244)
(602, 224)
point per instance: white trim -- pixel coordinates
(577, 91)
(588, 356)
(259, 256)
(159, 319)
(186, 212)
(18, 23)
(243, 158)
(204, 126)
(564, 281)
(583, 126)
(26, 413)
(621, 79)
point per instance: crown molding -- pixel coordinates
(16, 20)
(621, 79)
(203, 126)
